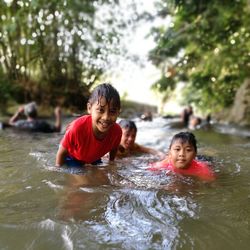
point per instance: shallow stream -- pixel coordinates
(124, 206)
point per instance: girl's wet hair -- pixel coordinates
(107, 91)
(128, 124)
(184, 137)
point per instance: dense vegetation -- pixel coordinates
(54, 51)
(206, 46)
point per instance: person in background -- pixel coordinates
(181, 158)
(194, 122)
(32, 123)
(147, 116)
(128, 146)
(91, 136)
(185, 115)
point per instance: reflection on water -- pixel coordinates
(124, 206)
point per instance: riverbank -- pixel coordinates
(130, 110)
(239, 113)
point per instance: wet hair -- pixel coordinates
(30, 110)
(184, 137)
(107, 91)
(128, 124)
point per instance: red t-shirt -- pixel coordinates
(197, 168)
(81, 144)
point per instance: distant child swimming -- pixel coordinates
(181, 158)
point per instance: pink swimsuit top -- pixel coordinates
(197, 168)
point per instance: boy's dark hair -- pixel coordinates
(30, 110)
(107, 91)
(184, 137)
(128, 124)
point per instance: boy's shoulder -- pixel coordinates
(82, 119)
(136, 147)
(115, 131)
(117, 128)
(79, 123)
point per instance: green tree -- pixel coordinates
(206, 45)
(54, 50)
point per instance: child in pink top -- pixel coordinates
(181, 158)
(90, 137)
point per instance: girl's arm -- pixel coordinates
(60, 156)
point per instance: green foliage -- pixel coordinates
(5, 91)
(57, 49)
(8, 89)
(208, 45)
(164, 84)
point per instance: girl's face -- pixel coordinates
(181, 154)
(128, 138)
(104, 116)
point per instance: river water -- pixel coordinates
(124, 206)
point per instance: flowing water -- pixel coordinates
(124, 205)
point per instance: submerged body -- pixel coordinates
(35, 126)
(198, 169)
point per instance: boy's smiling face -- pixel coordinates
(181, 154)
(104, 116)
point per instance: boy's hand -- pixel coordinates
(20, 110)
(57, 111)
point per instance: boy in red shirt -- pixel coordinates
(181, 158)
(90, 137)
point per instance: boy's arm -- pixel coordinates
(58, 121)
(60, 156)
(159, 165)
(15, 117)
(152, 151)
(112, 154)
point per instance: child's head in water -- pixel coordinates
(104, 107)
(129, 131)
(128, 146)
(182, 149)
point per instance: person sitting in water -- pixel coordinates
(181, 158)
(90, 137)
(32, 123)
(128, 146)
(186, 114)
(147, 116)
